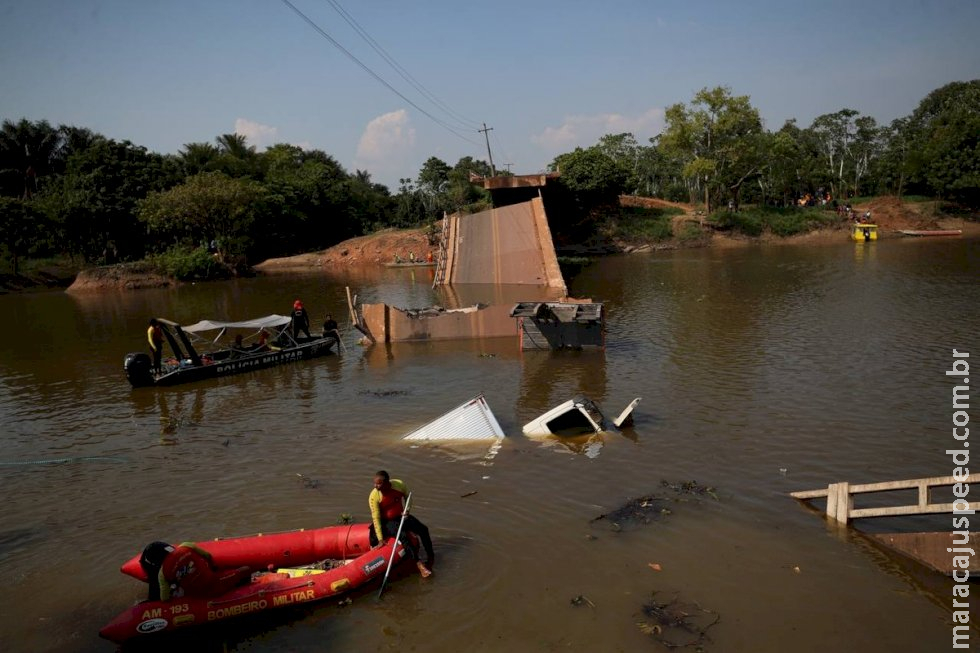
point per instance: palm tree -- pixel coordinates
(198, 157)
(27, 152)
(235, 145)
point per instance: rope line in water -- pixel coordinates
(55, 461)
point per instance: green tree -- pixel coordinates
(93, 203)
(944, 131)
(28, 155)
(20, 224)
(719, 138)
(199, 157)
(626, 152)
(236, 157)
(432, 184)
(208, 206)
(588, 189)
(461, 191)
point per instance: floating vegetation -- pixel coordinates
(653, 507)
(677, 624)
(308, 483)
(383, 393)
(345, 518)
(488, 355)
(690, 487)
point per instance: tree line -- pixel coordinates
(716, 150)
(69, 191)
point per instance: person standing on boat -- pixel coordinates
(154, 334)
(186, 570)
(301, 320)
(387, 501)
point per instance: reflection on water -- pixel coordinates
(762, 371)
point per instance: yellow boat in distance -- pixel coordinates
(863, 232)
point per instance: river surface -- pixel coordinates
(762, 371)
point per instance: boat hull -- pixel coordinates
(138, 373)
(268, 590)
(932, 232)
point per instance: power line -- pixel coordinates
(462, 120)
(372, 73)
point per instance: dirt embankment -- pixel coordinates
(891, 214)
(127, 276)
(376, 249)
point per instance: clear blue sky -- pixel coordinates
(546, 75)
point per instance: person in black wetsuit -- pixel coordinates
(301, 320)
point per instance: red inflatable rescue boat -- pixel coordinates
(291, 568)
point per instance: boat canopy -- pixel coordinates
(267, 322)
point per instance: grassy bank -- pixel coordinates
(756, 221)
(36, 274)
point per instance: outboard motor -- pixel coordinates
(137, 368)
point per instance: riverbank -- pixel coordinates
(687, 228)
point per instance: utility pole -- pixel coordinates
(508, 166)
(486, 134)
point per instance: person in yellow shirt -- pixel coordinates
(387, 502)
(154, 334)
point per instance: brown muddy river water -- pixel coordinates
(762, 371)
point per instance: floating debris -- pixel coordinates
(581, 599)
(468, 494)
(641, 510)
(345, 518)
(653, 507)
(383, 393)
(677, 624)
(690, 487)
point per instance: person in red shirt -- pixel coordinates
(387, 502)
(185, 570)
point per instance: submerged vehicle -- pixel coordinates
(288, 568)
(578, 416)
(273, 345)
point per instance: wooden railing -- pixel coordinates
(840, 498)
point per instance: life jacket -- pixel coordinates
(189, 570)
(391, 504)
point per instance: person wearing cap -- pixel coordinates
(301, 321)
